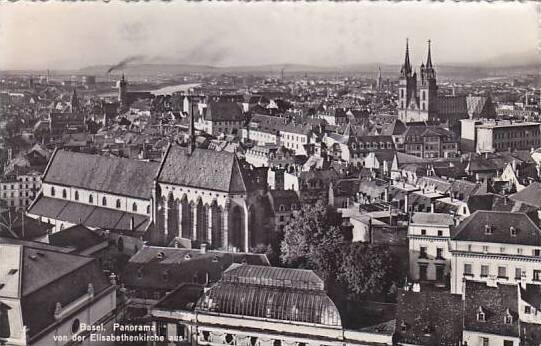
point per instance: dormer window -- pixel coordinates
(282, 207)
(508, 318)
(481, 315)
(489, 230)
(165, 275)
(140, 273)
(427, 330)
(513, 231)
(403, 326)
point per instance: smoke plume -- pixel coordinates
(125, 62)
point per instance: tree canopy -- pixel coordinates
(313, 240)
(369, 270)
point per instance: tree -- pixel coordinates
(369, 270)
(313, 240)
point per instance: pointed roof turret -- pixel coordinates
(406, 68)
(429, 58)
(347, 131)
(74, 101)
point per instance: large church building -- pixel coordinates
(418, 99)
(211, 197)
(194, 196)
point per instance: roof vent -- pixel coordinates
(160, 255)
(489, 229)
(188, 257)
(40, 254)
(33, 257)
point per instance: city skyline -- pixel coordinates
(73, 36)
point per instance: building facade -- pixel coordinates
(428, 239)
(19, 190)
(495, 247)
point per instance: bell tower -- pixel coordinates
(429, 89)
(407, 86)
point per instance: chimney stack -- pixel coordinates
(191, 135)
(203, 248)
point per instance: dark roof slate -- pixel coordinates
(206, 169)
(473, 228)
(102, 173)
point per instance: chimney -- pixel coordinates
(406, 199)
(203, 248)
(416, 287)
(191, 134)
(386, 194)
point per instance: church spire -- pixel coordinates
(74, 101)
(429, 58)
(406, 68)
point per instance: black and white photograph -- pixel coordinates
(236, 173)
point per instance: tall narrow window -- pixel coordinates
(134, 207)
(118, 203)
(90, 199)
(53, 192)
(64, 193)
(104, 201)
(76, 196)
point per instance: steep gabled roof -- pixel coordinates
(101, 173)
(205, 169)
(530, 195)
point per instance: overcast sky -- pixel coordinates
(77, 34)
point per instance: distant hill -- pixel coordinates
(455, 71)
